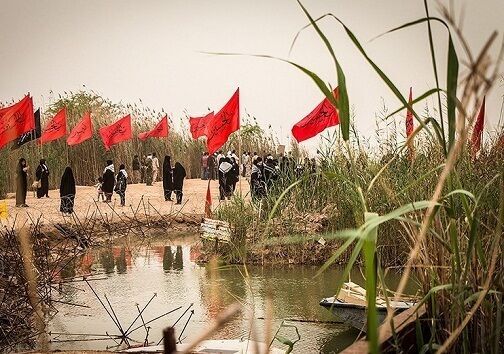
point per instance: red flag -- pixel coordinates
(82, 131)
(323, 116)
(116, 132)
(55, 128)
(477, 134)
(159, 131)
(225, 122)
(208, 202)
(16, 120)
(409, 117)
(198, 125)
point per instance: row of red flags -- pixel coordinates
(18, 119)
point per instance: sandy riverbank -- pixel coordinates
(86, 203)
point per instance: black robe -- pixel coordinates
(21, 185)
(257, 182)
(167, 175)
(233, 178)
(42, 174)
(179, 173)
(121, 182)
(225, 180)
(67, 191)
(211, 166)
(108, 181)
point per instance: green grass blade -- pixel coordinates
(318, 81)
(452, 76)
(451, 91)
(380, 72)
(343, 104)
(452, 230)
(369, 249)
(301, 238)
(335, 256)
(416, 100)
(281, 197)
(432, 231)
(349, 265)
(420, 179)
(413, 23)
(462, 192)
(436, 76)
(473, 297)
(407, 208)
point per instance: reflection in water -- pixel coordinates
(167, 258)
(212, 288)
(68, 271)
(107, 260)
(121, 261)
(178, 263)
(87, 262)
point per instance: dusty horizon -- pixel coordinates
(154, 51)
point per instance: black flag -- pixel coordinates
(31, 135)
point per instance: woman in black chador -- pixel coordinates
(108, 181)
(179, 174)
(121, 184)
(42, 175)
(167, 178)
(234, 175)
(21, 183)
(67, 191)
(225, 178)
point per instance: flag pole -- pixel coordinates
(240, 160)
(166, 137)
(67, 158)
(41, 148)
(94, 153)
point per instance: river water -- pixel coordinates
(129, 275)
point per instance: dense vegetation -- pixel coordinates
(438, 213)
(88, 158)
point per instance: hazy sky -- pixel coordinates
(151, 49)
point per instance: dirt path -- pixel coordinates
(86, 204)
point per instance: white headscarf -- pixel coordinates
(109, 167)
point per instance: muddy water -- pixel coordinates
(131, 275)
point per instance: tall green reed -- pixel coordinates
(449, 233)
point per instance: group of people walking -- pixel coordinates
(173, 180)
(227, 168)
(108, 183)
(145, 170)
(41, 184)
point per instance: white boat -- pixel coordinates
(229, 346)
(350, 306)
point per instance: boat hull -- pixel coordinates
(355, 314)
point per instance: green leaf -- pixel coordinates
(369, 225)
(414, 101)
(419, 179)
(294, 239)
(335, 255)
(460, 192)
(431, 231)
(369, 249)
(318, 81)
(475, 296)
(281, 197)
(349, 266)
(342, 104)
(452, 230)
(452, 75)
(451, 91)
(436, 76)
